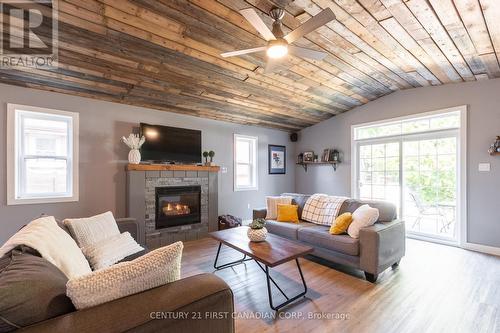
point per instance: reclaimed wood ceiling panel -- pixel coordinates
(164, 54)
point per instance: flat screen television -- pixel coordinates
(170, 144)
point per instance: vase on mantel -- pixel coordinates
(134, 142)
(134, 156)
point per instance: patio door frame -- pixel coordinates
(461, 209)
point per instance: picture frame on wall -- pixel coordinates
(276, 160)
(308, 156)
(326, 155)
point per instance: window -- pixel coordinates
(42, 155)
(245, 162)
(447, 120)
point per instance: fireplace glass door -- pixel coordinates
(179, 205)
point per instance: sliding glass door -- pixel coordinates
(430, 184)
(413, 163)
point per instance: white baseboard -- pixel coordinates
(482, 248)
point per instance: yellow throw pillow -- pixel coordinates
(288, 213)
(341, 224)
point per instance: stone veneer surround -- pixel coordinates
(141, 187)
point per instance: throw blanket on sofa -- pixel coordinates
(53, 244)
(322, 209)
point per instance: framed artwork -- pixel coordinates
(277, 159)
(308, 156)
(326, 155)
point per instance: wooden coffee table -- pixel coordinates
(272, 252)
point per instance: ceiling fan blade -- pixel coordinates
(242, 52)
(325, 16)
(306, 53)
(251, 15)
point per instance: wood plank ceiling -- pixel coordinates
(164, 54)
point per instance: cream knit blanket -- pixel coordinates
(53, 243)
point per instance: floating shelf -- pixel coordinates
(305, 164)
(495, 153)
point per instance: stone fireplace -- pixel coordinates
(172, 202)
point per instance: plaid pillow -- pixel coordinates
(322, 209)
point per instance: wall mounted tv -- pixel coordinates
(170, 144)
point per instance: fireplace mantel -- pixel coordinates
(171, 167)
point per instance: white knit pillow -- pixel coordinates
(272, 206)
(364, 216)
(91, 230)
(111, 250)
(153, 269)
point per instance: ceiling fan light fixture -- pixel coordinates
(277, 49)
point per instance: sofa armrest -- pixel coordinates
(259, 213)
(131, 225)
(197, 297)
(381, 245)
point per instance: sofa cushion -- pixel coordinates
(341, 224)
(287, 213)
(154, 269)
(320, 236)
(287, 230)
(90, 230)
(387, 211)
(272, 205)
(299, 200)
(31, 289)
(362, 217)
(111, 250)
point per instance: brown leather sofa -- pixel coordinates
(196, 297)
(378, 247)
(200, 303)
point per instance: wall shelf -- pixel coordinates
(305, 164)
(495, 153)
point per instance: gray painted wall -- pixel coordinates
(483, 99)
(103, 157)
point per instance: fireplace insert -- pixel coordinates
(177, 205)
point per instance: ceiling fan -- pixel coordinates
(279, 45)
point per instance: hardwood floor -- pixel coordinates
(435, 289)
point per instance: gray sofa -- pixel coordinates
(379, 246)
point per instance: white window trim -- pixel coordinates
(462, 166)
(12, 161)
(255, 169)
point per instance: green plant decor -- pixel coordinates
(258, 223)
(211, 154)
(205, 154)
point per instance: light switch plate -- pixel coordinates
(484, 167)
